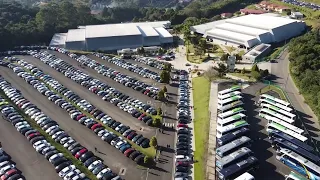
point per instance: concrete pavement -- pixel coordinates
(211, 161)
(283, 79)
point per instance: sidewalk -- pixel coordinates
(211, 161)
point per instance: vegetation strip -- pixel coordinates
(147, 151)
(58, 146)
(201, 95)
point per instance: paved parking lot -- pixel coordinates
(32, 165)
(270, 168)
(113, 158)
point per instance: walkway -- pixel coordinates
(211, 162)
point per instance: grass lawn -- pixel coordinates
(194, 58)
(245, 76)
(242, 52)
(219, 52)
(201, 94)
(272, 88)
(230, 49)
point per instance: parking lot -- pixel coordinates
(270, 168)
(28, 161)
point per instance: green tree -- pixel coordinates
(165, 76)
(159, 111)
(156, 122)
(165, 89)
(148, 160)
(161, 95)
(153, 142)
(243, 71)
(256, 75)
(203, 45)
(168, 67)
(224, 57)
(255, 68)
(238, 57)
(221, 69)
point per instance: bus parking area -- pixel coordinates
(262, 127)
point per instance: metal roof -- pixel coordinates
(163, 32)
(111, 30)
(58, 39)
(148, 31)
(241, 29)
(75, 35)
(230, 35)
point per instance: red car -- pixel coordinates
(128, 152)
(182, 125)
(8, 174)
(30, 136)
(82, 151)
(95, 126)
(141, 116)
(131, 135)
(80, 116)
(182, 163)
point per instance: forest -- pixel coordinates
(24, 25)
(304, 66)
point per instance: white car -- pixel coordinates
(72, 173)
(21, 123)
(103, 172)
(6, 168)
(94, 165)
(55, 156)
(66, 170)
(39, 142)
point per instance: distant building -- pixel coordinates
(112, 37)
(296, 15)
(264, 4)
(257, 52)
(226, 15)
(282, 9)
(251, 11)
(250, 30)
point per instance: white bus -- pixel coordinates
(228, 101)
(231, 112)
(226, 91)
(229, 120)
(274, 126)
(230, 106)
(267, 96)
(232, 146)
(245, 176)
(299, 164)
(285, 124)
(267, 101)
(225, 96)
(233, 158)
(263, 112)
(231, 128)
(281, 111)
(295, 176)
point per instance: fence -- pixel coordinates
(312, 141)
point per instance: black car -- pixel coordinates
(90, 161)
(183, 131)
(59, 160)
(182, 152)
(62, 166)
(114, 125)
(145, 143)
(134, 155)
(139, 159)
(36, 139)
(182, 169)
(86, 156)
(139, 141)
(50, 153)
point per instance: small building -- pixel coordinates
(296, 15)
(231, 63)
(226, 15)
(257, 52)
(251, 11)
(282, 9)
(264, 4)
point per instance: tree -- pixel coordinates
(238, 57)
(153, 142)
(203, 45)
(255, 68)
(165, 89)
(141, 51)
(161, 95)
(243, 71)
(222, 69)
(148, 160)
(165, 76)
(224, 57)
(264, 73)
(156, 122)
(159, 111)
(256, 75)
(168, 67)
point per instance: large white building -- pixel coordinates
(250, 30)
(110, 37)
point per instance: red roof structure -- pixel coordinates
(252, 11)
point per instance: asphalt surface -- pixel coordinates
(111, 156)
(270, 167)
(282, 77)
(95, 100)
(163, 170)
(32, 164)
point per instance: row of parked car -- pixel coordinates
(150, 62)
(303, 4)
(118, 142)
(183, 147)
(62, 165)
(8, 170)
(106, 92)
(144, 72)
